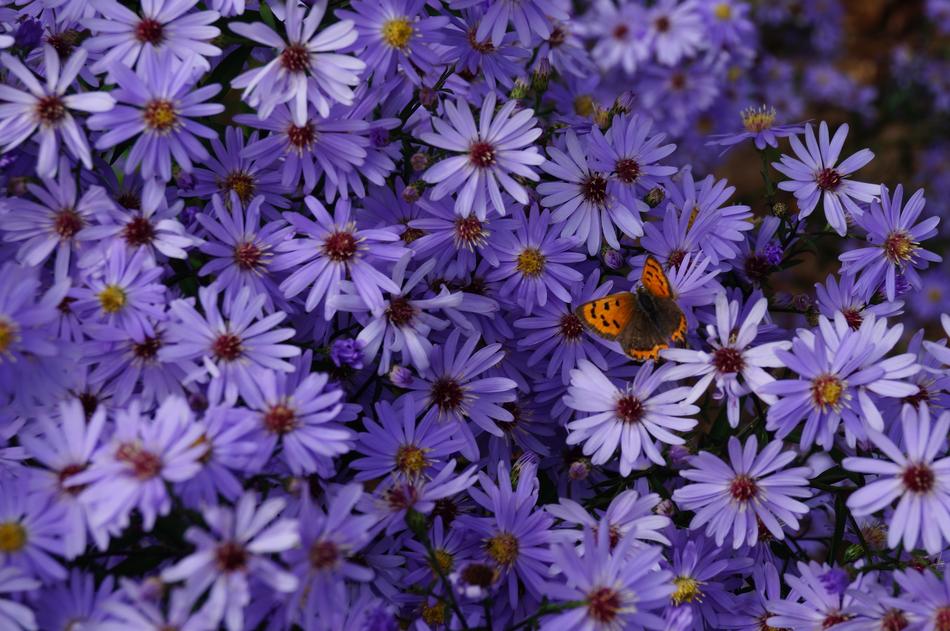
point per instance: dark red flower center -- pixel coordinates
(675, 258)
(743, 488)
(728, 359)
(231, 556)
(603, 605)
(621, 32)
(63, 42)
(918, 478)
(147, 349)
(227, 347)
(828, 179)
(242, 183)
(280, 419)
(324, 555)
(469, 232)
(942, 619)
(400, 312)
(662, 24)
(628, 170)
(477, 46)
(50, 109)
(67, 472)
(757, 267)
(145, 465)
(594, 189)
(149, 31)
(570, 327)
(248, 256)
(478, 574)
(557, 37)
(630, 409)
(138, 232)
(895, 620)
(481, 154)
(295, 58)
(447, 394)
(833, 618)
(67, 223)
(340, 246)
(853, 317)
(402, 496)
(302, 137)
(899, 246)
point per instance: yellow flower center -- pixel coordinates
(397, 32)
(899, 246)
(756, 119)
(112, 298)
(583, 105)
(411, 460)
(722, 11)
(934, 295)
(503, 548)
(826, 391)
(12, 537)
(687, 590)
(434, 614)
(7, 335)
(160, 115)
(444, 560)
(531, 262)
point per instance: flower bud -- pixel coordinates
(655, 197)
(400, 376)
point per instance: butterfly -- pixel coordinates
(644, 322)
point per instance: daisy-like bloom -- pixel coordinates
(53, 221)
(844, 297)
(65, 448)
(517, 536)
(456, 391)
(759, 124)
(136, 607)
(620, 35)
(404, 324)
(732, 356)
(129, 38)
(816, 175)
(47, 107)
(675, 30)
(616, 594)
(926, 599)
(241, 248)
(133, 469)
(895, 236)
(530, 18)
(228, 342)
(630, 153)
(628, 516)
(157, 105)
(397, 445)
(14, 615)
(752, 488)
(332, 249)
(78, 602)
(581, 201)
(305, 67)
(839, 370)
(486, 155)
(535, 261)
(496, 64)
(237, 548)
(300, 412)
(396, 34)
(811, 605)
(123, 293)
(31, 531)
(916, 475)
(629, 418)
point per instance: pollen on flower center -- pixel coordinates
(469, 232)
(242, 183)
(227, 347)
(447, 394)
(594, 189)
(477, 46)
(828, 179)
(481, 154)
(942, 619)
(895, 620)
(899, 246)
(687, 590)
(112, 299)
(722, 11)
(397, 32)
(630, 409)
(570, 327)
(443, 560)
(530, 262)
(231, 556)
(138, 232)
(324, 554)
(411, 460)
(12, 537)
(833, 618)
(301, 137)
(50, 110)
(743, 488)
(918, 478)
(402, 496)
(67, 223)
(149, 31)
(603, 604)
(728, 359)
(340, 246)
(280, 419)
(826, 391)
(160, 115)
(400, 311)
(248, 256)
(758, 119)
(144, 464)
(147, 349)
(503, 548)
(295, 58)
(628, 170)
(621, 32)
(7, 335)
(674, 258)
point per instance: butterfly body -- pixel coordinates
(644, 322)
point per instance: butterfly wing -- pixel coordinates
(654, 279)
(609, 316)
(643, 338)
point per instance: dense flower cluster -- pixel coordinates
(406, 314)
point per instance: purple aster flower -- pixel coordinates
(300, 412)
(78, 602)
(48, 108)
(157, 105)
(732, 356)
(844, 297)
(517, 535)
(620, 32)
(530, 18)
(675, 30)
(137, 606)
(397, 445)
(14, 615)
(331, 249)
(52, 223)
(816, 175)
(242, 249)
(582, 202)
(396, 34)
(456, 391)
(810, 605)
(496, 64)
(629, 418)
(630, 153)
(486, 155)
(304, 68)
(132, 470)
(840, 371)
(236, 549)
(564, 51)
(926, 598)
(229, 341)
(31, 531)
(915, 475)
(534, 261)
(347, 352)
(895, 236)
(627, 516)
(165, 27)
(753, 488)
(759, 123)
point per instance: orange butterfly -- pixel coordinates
(644, 322)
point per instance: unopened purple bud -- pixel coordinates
(379, 136)
(185, 180)
(666, 508)
(419, 161)
(579, 470)
(613, 259)
(835, 581)
(400, 376)
(347, 352)
(773, 253)
(679, 456)
(28, 34)
(901, 285)
(411, 194)
(197, 401)
(428, 97)
(188, 214)
(801, 301)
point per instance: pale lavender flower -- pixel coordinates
(675, 30)
(529, 17)
(14, 615)
(31, 531)
(629, 515)
(810, 605)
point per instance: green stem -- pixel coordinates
(767, 178)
